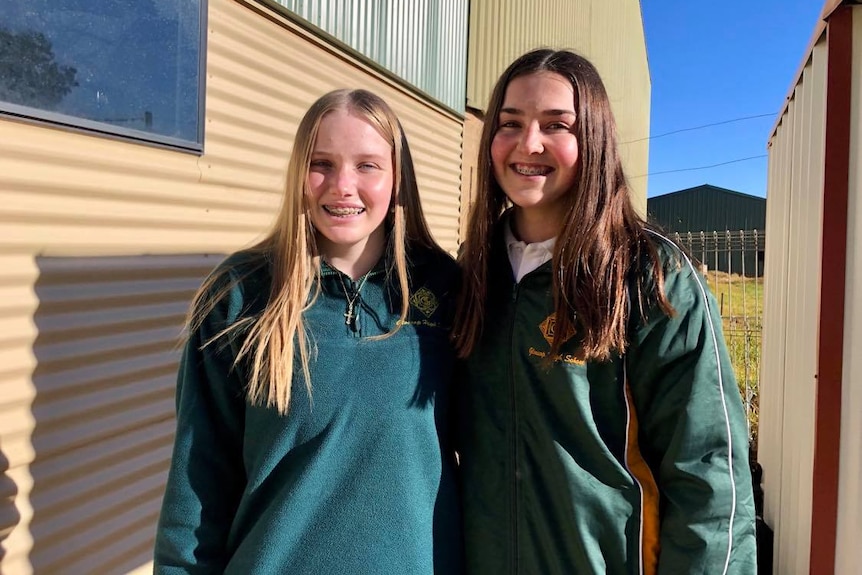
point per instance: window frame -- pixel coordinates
(38, 116)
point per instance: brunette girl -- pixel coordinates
(602, 430)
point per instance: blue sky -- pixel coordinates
(712, 62)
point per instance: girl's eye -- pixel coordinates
(320, 164)
(508, 124)
(558, 126)
(367, 166)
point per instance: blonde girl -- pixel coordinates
(313, 393)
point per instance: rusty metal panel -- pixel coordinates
(848, 552)
(607, 32)
(789, 361)
(101, 244)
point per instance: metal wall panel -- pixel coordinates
(101, 406)
(608, 32)
(502, 31)
(471, 136)
(707, 208)
(17, 334)
(618, 50)
(848, 552)
(422, 41)
(283, 69)
(101, 245)
(772, 367)
(791, 316)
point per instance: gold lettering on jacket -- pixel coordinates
(564, 357)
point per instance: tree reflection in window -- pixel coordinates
(29, 73)
(130, 67)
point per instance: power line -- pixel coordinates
(705, 167)
(741, 119)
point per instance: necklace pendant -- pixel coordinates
(349, 316)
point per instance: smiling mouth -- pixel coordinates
(343, 212)
(532, 170)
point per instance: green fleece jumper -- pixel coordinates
(637, 465)
(357, 479)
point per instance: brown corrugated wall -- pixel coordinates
(101, 244)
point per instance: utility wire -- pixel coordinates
(700, 127)
(704, 167)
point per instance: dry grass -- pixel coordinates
(740, 301)
(738, 297)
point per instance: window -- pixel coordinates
(132, 68)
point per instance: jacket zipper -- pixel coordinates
(516, 472)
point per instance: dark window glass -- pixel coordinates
(126, 67)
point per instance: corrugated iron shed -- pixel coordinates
(707, 208)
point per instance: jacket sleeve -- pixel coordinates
(206, 477)
(693, 433)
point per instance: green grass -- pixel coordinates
(740, 302)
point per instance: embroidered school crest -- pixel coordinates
(548, 329)
(425, 301)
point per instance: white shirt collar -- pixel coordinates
(524, 257)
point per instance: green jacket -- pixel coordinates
(359, 478)
(638, 465)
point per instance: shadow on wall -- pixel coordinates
(9, 516)
(106, 351)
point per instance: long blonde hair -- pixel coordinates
(291, 253)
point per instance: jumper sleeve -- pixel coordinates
(693, 433)
(206, 477)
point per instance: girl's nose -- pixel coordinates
(531, 140)
(345, 182)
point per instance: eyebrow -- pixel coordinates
(363, 156)
(517, 112)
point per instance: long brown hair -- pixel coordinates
(294, 264)
(602, 250)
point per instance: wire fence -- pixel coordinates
(732, 262)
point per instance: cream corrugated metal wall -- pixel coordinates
(607, 32)
(791, 316)
(848, 550)
(95, 420)
(101, 244)
(423, 41)
(471, 136)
